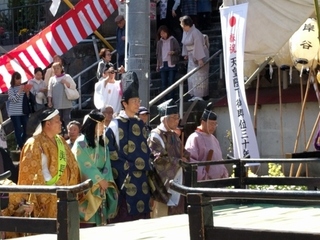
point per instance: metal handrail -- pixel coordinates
(85, 70)
(5, 175)
(107, 38)
(161, 95)
(181, 80)
(195, 86)
(184, 94)
(91, 66)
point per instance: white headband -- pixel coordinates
(50, 116)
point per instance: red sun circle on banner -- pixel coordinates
(232, 21)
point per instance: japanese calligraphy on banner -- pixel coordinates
(233, 25)
(56, 39)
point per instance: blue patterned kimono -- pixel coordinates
(129, 154)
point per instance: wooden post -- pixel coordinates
(300, 124)
(200, 216)
(280, 109)
(256, 104)
(191, 175)
(187, 175)
(68, 221)
(308, 144)
(240, 173)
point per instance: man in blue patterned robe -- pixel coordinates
(129, 153)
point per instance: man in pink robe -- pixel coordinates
(201, 142)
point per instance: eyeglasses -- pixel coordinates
(108, 112)
(113, 71)
(175, 117)
(135, 101)
(212, 123)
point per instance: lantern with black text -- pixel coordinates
(304, 45)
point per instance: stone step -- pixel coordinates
(216, 85)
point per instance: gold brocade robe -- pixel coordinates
(45, 205)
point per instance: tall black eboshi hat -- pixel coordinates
(130, 86)
(167, 108)
(208, 114)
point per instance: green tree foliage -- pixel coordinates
(275, 170)
(27, 14)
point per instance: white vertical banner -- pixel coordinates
(233, 26)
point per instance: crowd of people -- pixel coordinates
(117, 154)
(114, 146)
(191, 45)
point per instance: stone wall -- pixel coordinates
(269, 137)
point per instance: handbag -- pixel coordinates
(72, 94)
(28, 103)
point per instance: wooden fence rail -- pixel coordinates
(67, 223)
(202, 195)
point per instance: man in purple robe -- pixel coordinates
(204, 146)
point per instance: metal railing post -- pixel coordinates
(181, 99)
(221, 65)
(95, 46)
(80, 97)
(181, 80)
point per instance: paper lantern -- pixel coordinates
(318, 76)
(304, 45)
(283, 57)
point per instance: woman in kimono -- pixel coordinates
(195, 50)
(100, 203)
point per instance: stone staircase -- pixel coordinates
(216, 84)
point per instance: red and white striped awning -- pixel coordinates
(56, 39)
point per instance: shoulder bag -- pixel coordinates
(28, 103)
(72, 94)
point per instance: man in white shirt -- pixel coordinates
(108, 90)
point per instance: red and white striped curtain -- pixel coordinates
(55, 39)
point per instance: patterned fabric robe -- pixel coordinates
(45, 205)
(198, 144)
(188, 7)
(95, 164)
(195, 48)
(166, 147)
(129, 154)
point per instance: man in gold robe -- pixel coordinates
(45, 159)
